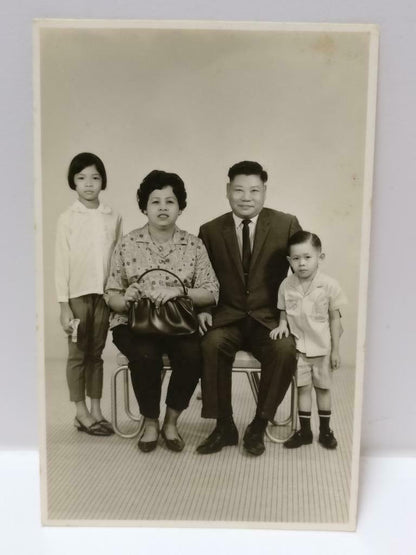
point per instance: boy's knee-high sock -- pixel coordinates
(305, 421)
(324, 416)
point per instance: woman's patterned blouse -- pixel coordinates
(185, 255)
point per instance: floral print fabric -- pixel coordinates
(185, 255)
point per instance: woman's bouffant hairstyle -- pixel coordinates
(247, 168)
(304, 237)
(158, 179)
(82, 161)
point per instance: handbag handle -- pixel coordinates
(162, 270)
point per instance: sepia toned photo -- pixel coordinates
(203, 202)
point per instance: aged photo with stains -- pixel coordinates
(203, 196)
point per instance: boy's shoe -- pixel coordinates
(298, 439)
(328, 440)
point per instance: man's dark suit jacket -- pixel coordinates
(268, 266)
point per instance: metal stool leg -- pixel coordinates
(291, 419)
(254, 381)
(114, 407)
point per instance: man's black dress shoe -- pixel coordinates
(253, 439)
(173, 444)
(221, 437)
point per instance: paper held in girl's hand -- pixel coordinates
(74, 324)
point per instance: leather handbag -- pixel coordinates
(175, 317)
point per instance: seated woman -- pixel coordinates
(160, 244)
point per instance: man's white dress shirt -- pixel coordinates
(239, 230)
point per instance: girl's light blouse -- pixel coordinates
(85, 240)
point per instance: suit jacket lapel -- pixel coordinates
(262, 230)
(230, 238)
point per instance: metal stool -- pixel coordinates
(243, 362)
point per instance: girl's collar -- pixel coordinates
(79, 207)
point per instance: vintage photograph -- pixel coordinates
(203, 203)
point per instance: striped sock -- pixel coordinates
(305, 421)
(324, 416)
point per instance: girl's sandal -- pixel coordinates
(94, 430)
(106, 425)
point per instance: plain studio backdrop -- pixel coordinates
(195, 102)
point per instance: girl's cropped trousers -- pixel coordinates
(84, 369)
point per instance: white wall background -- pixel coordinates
(197, 101)
(390, 379)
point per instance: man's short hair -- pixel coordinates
(247, 168)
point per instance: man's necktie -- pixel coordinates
(246, 247)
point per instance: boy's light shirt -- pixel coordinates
(308, 313)
(85, 240)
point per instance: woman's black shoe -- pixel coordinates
(173, 444)
(146, 446)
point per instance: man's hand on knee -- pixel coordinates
(205, 322)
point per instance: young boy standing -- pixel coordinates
(309, 302)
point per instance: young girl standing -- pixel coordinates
(86, 235)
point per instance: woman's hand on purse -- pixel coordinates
(162, 295)
(132, 293)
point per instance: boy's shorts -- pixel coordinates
(314, 370)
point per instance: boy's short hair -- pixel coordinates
(82, 161)
(303, 237)
(247, 168)
(158, 179)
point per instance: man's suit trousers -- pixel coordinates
(278, 365)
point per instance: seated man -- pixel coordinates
(248, 249)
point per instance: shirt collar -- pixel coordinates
(316, 282)
(238, 221)
(79, 207)
(179, 236)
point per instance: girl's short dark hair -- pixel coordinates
(158, 179)
(247, 168)
(82, 161)
(303, 237)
